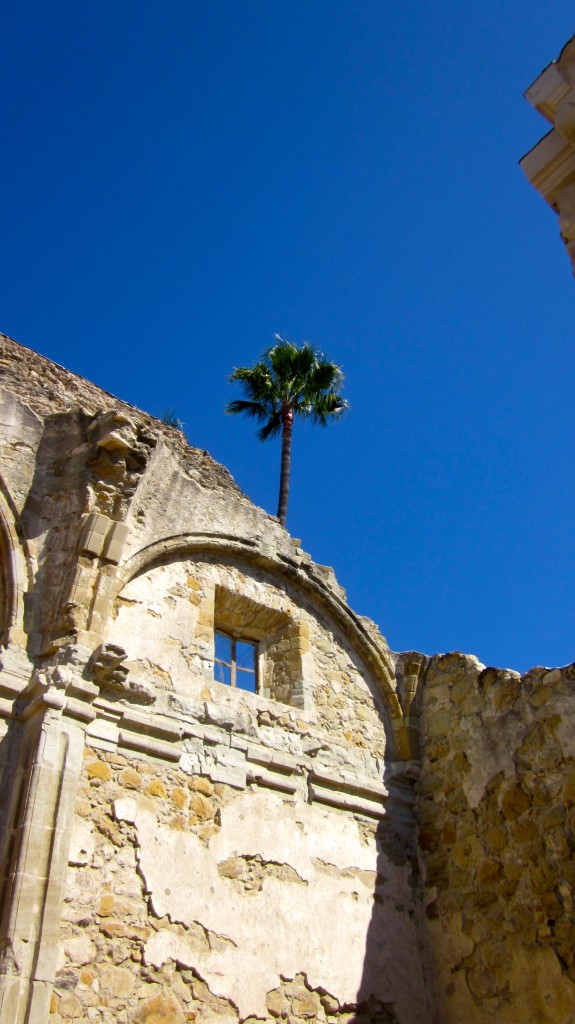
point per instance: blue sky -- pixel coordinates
(180, 181)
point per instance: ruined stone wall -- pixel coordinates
(213, 903)
(175, 848)
(369, 837)
(496, 810)
(166, 619)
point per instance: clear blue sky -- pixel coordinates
(181, 180)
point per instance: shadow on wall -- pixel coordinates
(16, 756)
(395, 960)
(54, 506)
(10, 787)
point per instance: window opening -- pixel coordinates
(235, 662)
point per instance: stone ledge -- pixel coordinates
(151, 725)
(149, 745)
(346, 801)
(271, 780)
(281, 761)
(351, 783)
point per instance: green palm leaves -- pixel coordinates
(289, 381)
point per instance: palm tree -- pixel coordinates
(288, 381)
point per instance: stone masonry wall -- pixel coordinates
(370, 837)
(175, 848)
(165, 619)
(496, 808)
(188, 901)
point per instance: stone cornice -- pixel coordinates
(549, 91)
(550, 166)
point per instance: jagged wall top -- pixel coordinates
(100, 493)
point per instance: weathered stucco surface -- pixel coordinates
(334, 868)
(370, 837)
(175, 848)
(244, 890)
(496, 806)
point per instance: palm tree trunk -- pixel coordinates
(287, 427)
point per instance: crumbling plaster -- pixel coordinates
(393, 841)
(136, 544)
(326, 905)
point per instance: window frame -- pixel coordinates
(232, 665)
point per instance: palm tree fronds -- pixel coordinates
(255, 381)
(289, 381)
(259, 410)
(329, 407)
(272, 428)
(325, 377)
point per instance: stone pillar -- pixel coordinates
(51, 761)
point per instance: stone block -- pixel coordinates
(201, 806)
(156, 788)
(206, 632)
(304, 1002)
(276, 1003)
(153, 725)
(205, 618)
(163, 1008)
(514, 802)
(126, 808)
(272, 780)
(80, 950)
(114, 543)
(99, 770)
(149, 745)
(130, 778)
(467, 853)
(190, 764)
(215, 736)
(568, 792)
(117, 983)
(228, 776)
(94, 531)
(201, 785)
(70, 1007)
(439, 724)
(179, 797)
(106, 905)
(82, 842)
(222, 716)
(230, 757)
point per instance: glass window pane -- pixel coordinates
(245, 655)
(222, 673)
(223, 648)
(246, 681)
(235, 660)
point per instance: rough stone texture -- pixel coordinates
(497, 840)
(370, 837)
(178, 892)
(174, 848)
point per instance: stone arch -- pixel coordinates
(14, 574)
(306, 579)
